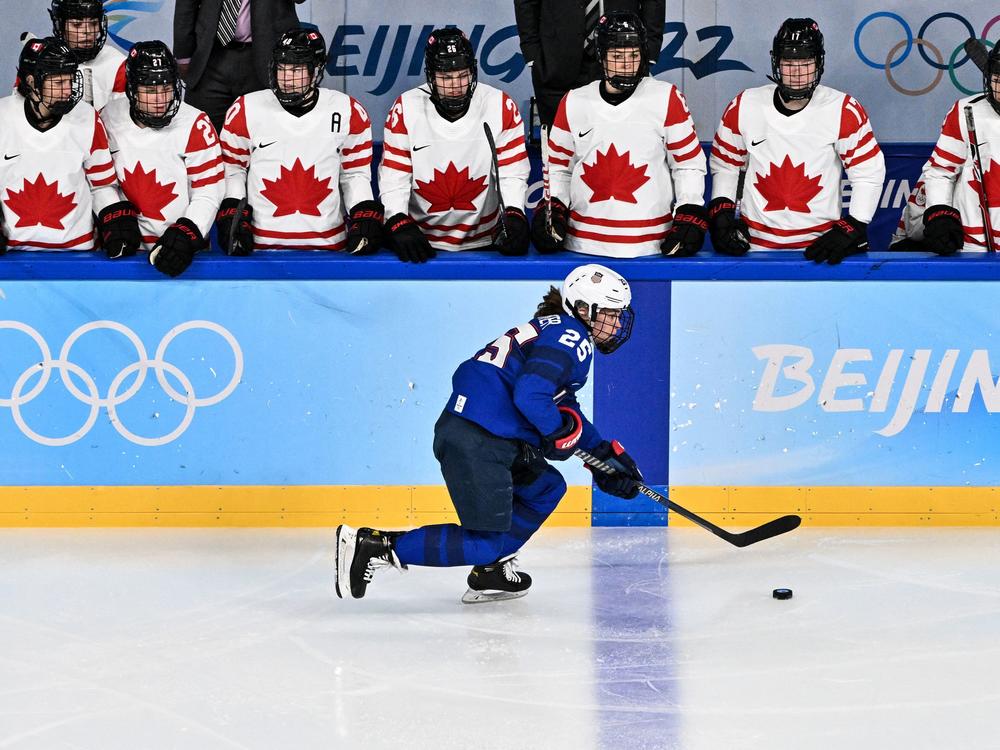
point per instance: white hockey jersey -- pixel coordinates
(294, 170)
(53, 182)
(621, 170)
(794, 164)
(438, 172)
(167, 172)
(948, 176)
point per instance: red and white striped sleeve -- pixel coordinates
(862, 158)
(356, 158)
(947, 159)
(205, 173)
(562, 154)
(684, 153)
(729, 152)
(512, 156)
(395, 173)
(236, 150)
(100, 169)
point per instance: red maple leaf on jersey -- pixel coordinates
(613, 176)
(992, 184)
(40, 204)
(296, 191)
(787, 186)
(452, 189)
(146, 192)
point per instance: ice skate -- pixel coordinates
(360, 553)
(496, 582)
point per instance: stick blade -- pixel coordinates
(768, 530)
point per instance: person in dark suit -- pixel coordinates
(557, 42)
(223, 48)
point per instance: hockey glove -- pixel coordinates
(943, 231)
(235, 233)
(549, 239)
(846, 237)
(624, 483)
(366, 234)
(560, 445)
(687, 234)
(407, 241)
(175, 249)
(119, 227)
(517, 237)
(730, 236)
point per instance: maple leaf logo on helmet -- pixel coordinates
(451, 190)
(612, 177)
(40, 204)
(296, 191)
(147, 193)
(787, 187)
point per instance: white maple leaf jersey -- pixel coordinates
(53, 182)
(438, 172)
(299, 174)
(621, 170)
(794, 165)
(167, 172)
(103, 77)
(948, 176)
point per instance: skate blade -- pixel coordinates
(477, 597)
(342, 556)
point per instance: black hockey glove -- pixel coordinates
(560, 445)
(687, 234)
(174, 251)
(730, 236)
(235, 239)
(366, 234)
(407, 241)
(119, 228)
(846, 237)
(517, 237)
(549, 239)
(943, 231)
(624, 483)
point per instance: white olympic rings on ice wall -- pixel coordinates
(113, 399)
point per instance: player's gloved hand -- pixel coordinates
(366, 233)
(174, 251)
(846, 237)
(559, 445)
(624, 483)
(407, 241)
(730, 236)
(549, 239)
(943, 229)
(119, 228)
(517, 237)
(238, 239)
(687, 234)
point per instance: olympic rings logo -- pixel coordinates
(895, 57)
(115, 395)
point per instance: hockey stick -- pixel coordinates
(740, 184)
(495, 179)
(977, 171)
(231, 239)
(546, 189)
(977, 52)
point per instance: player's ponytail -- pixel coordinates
(551, 303)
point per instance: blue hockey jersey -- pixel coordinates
(508, 387)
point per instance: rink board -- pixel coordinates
(855, 395)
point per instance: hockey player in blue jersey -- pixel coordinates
(513, 406)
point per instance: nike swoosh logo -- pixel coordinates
(583, 134)
(418, 148)
(8, 158)
(757, 143)
(265, 145)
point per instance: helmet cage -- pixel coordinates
(797, 39)
(449, 50)
(606, 299)
(152, 64)
(622, 30)
(79, 10)
(300, 47)
(42, 59)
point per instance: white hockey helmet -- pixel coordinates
(599, 288)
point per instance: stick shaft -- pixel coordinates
(977, 169)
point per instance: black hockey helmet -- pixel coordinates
(990, 71)
(797, 39)
(622, 29)
(41, 58)
(62, 11)
(152, 64)
(299, 47)
(447, 51)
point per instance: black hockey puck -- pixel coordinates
(782, 593)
